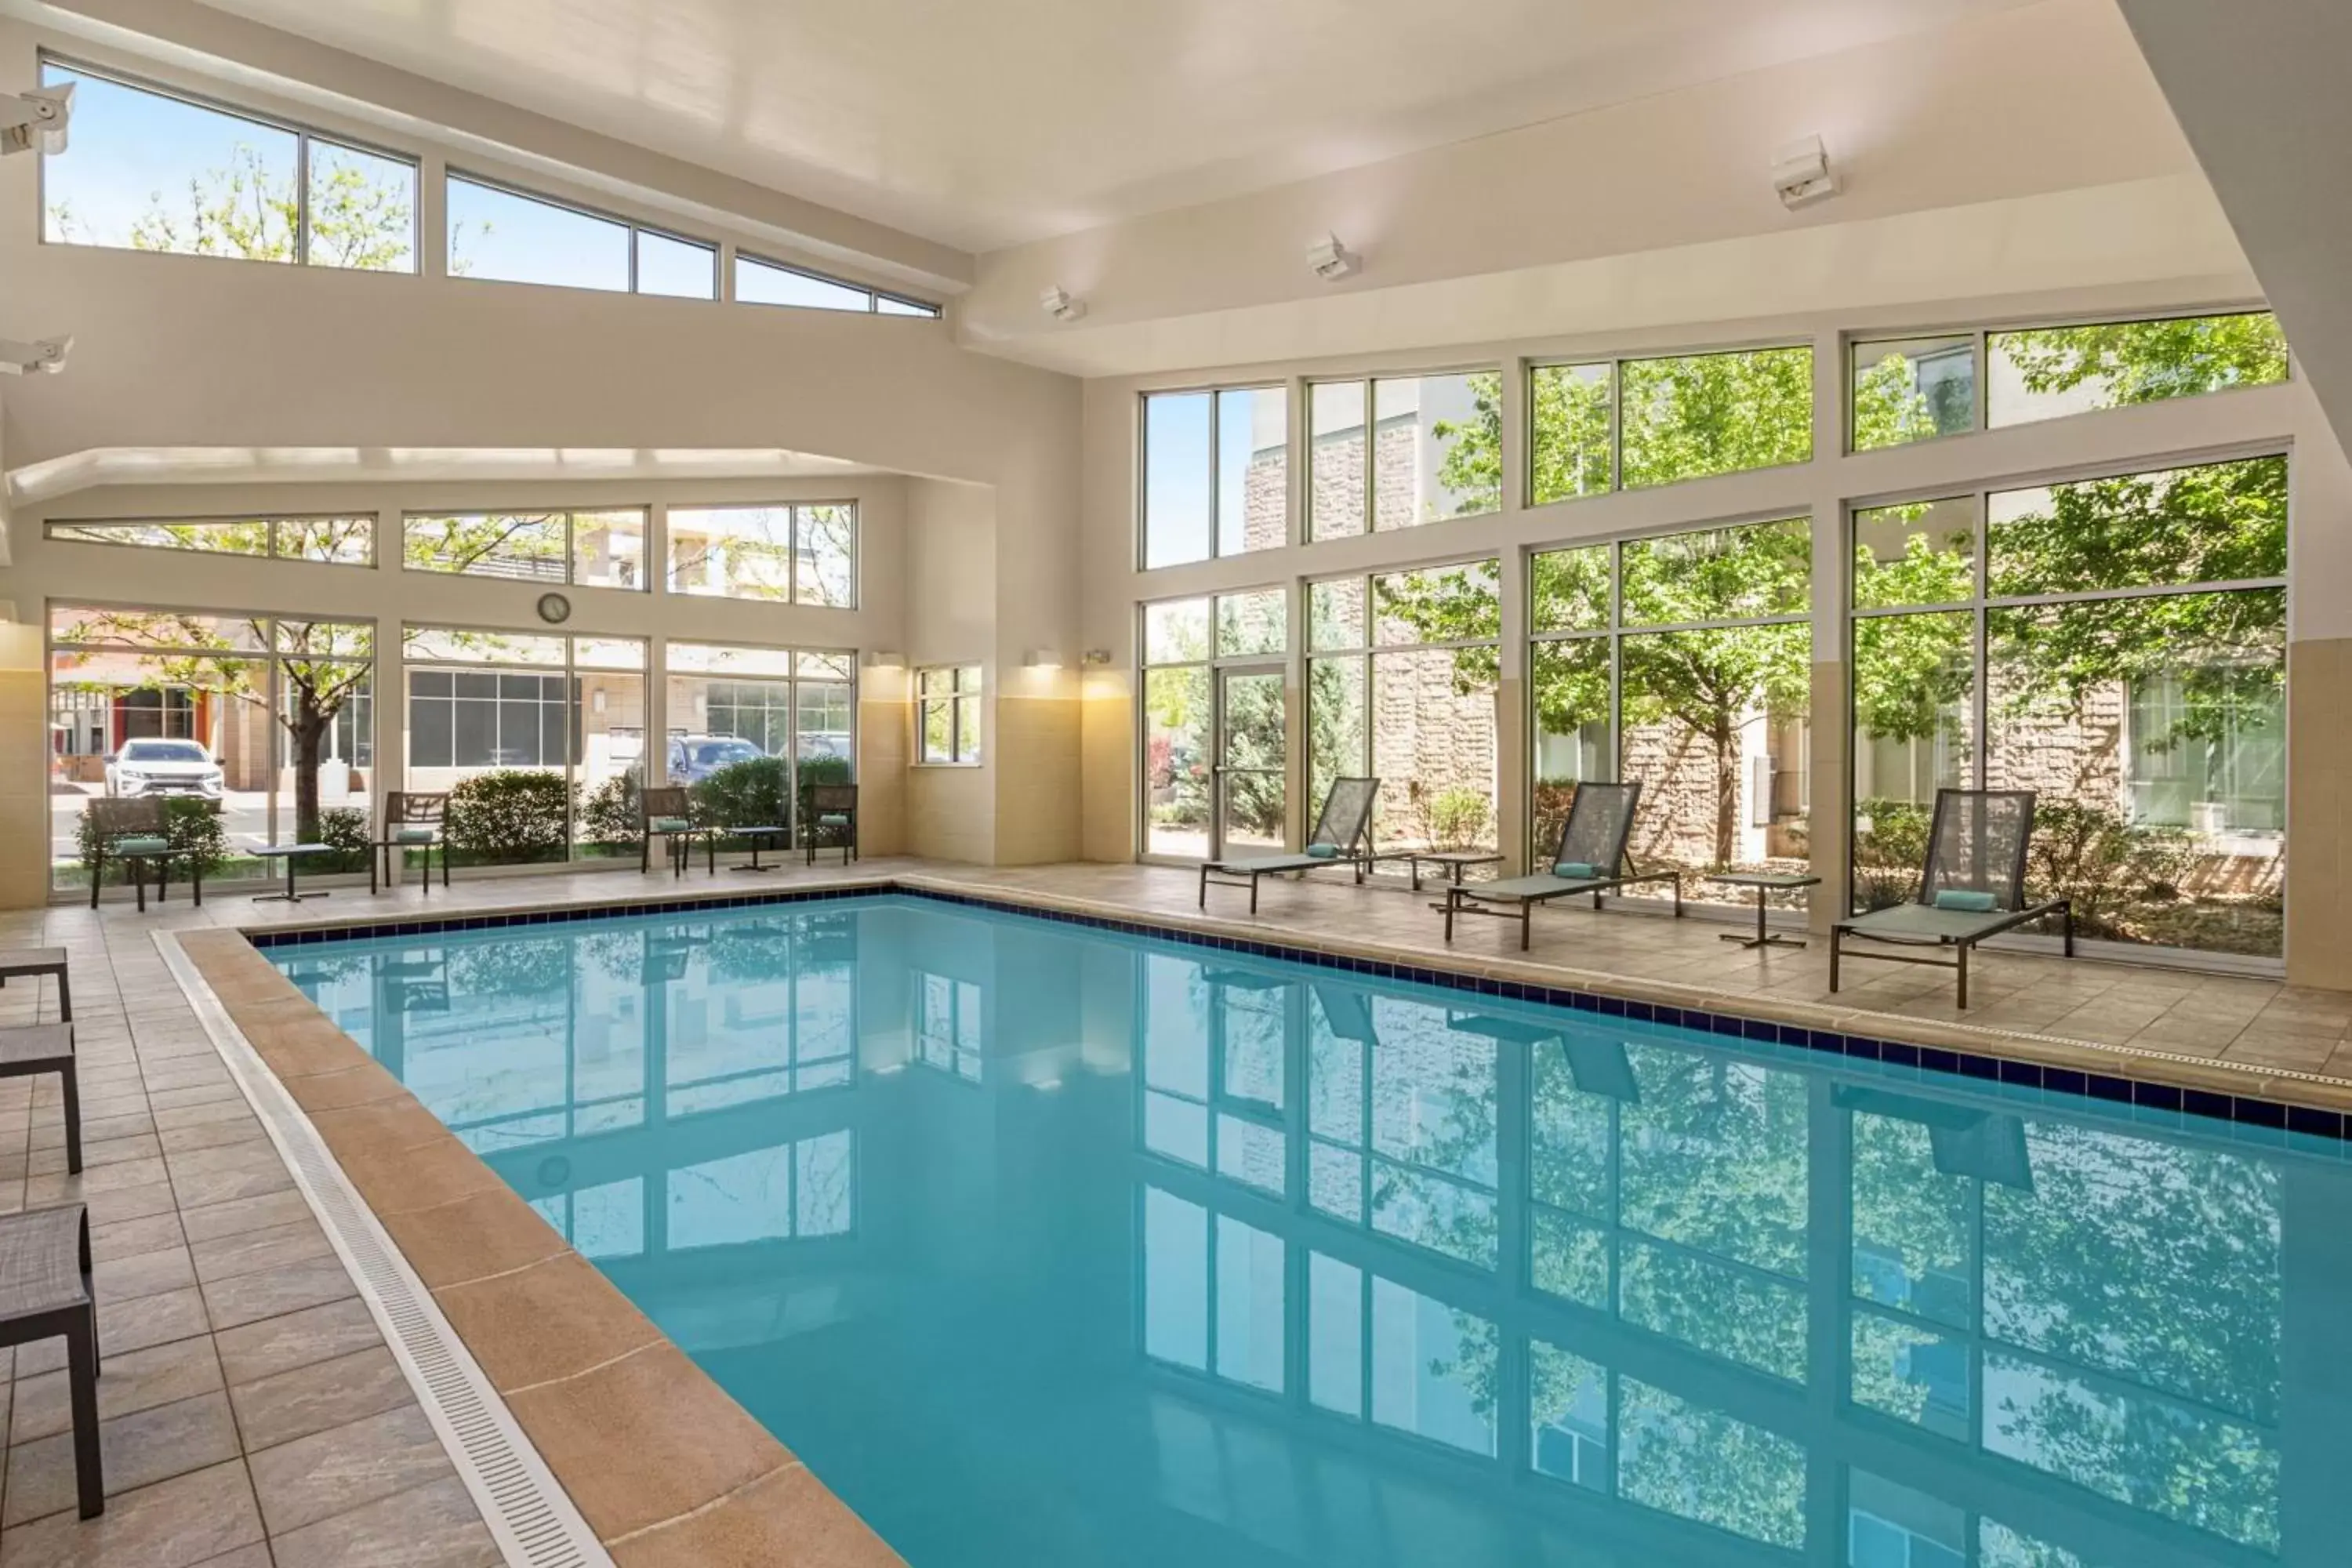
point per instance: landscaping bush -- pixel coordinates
(1457, 817)
(1888, 853)
(609, 814)
(508, 816)
(190, 825)
(748, 794)
(344, 830)
(2113, 870)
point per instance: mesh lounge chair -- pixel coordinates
(669, 814)
(1972, 887)
(1591, 849)
(411, 821)
(1344, 829)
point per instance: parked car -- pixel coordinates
(694, 758)
(164, 767)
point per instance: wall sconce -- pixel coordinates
(596, 701)
(1042, 659)
(1097, 658)
(876, 658)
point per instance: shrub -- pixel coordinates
(2105, 864)
(1888, 853)
(509, 815)
(190, 825)
(1457, 817)
(344, 830)
(744, 795)
(609, 814)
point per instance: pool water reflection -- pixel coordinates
(1048, 1246)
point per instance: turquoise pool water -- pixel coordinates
(1047, 1245)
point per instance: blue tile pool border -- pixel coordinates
(2263, 1118)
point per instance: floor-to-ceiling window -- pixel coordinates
(2117, 645)
(1402, 684)
(251, 730)
(751, 727)
(1684, 662)
(1216, 724)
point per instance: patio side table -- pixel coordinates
(288, 853)
(1765, 883)
(766, 834)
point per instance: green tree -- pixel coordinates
(2148, 362)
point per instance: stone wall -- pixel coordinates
(1427, 738)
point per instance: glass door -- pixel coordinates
(1253, 788)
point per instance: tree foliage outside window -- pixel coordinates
(336, 540)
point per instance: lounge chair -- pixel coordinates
(411, 821)
(1343, 832)
(1972, 887)
(1591, 851)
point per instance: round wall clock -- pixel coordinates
(554, 609)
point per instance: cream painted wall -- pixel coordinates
(1523, 225)
(952, 590)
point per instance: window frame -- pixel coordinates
(793, 553)
(1980, 338)
(953, 699)
(457, 174)
(304, 136)
(51, 533)
(918, 310)
(570, 577)
(1291, 490)
(1525, 469)
(1371, 382)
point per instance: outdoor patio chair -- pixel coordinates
(137, 832)
(411, 821)
(1342, 836)
(833, 814)
(45, 1291)
(667, 814)
(1971, 888)
(28, 1050)
(1590, 852)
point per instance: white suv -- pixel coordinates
(164, 767)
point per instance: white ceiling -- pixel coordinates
(983, 123)
(348, 465)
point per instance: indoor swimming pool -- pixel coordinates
(1044, 1244)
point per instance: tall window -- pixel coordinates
(758, 283)
(1646, 422)
(804, 553)
(1684, 662)
(1216, 473)
(2124, 659)
(265, 723)
(754, 725)
(1400, 451)
(1402, 682)
(949, 716)
(148, 169)
(587, 548)
(1913, 389)
(508, 236)
(1217, 747)
(334, 541)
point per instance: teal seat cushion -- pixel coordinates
(1969, 901)
(142, 846)
(669, 825)
(1324, 851)
(833, 819)
(413, 836)
(1581, 870)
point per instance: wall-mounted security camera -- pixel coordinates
(35, 122)
(1332, 260)
(1801, 174)
(47, 355)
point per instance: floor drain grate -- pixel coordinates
(534, 1523)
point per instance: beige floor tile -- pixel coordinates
(343, 1467)
(130, 1381)
(290, 1405)
(434, 1526)
(139, 1450)
(276, 1345)
(176, 1523)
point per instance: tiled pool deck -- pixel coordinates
(252, 1414)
